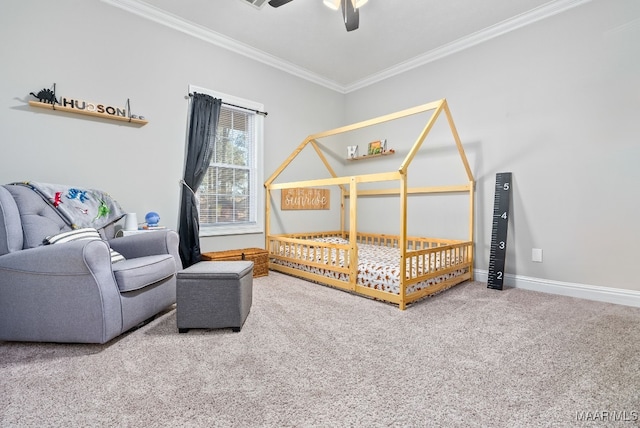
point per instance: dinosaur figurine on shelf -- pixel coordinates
(46, 96)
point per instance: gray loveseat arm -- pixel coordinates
(149, 244)
(59, 293)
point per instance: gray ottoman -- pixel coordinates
(214, 295)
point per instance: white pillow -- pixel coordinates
(87, 233)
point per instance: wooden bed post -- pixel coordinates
(471, 224)
(343, 201)
(403, 238)
(267, 220)
(353, 233)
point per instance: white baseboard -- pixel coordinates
(618, 296)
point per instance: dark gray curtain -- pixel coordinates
(205, 112)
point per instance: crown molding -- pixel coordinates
(504, 27)
(170, 20)
(162, 17)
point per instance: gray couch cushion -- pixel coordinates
(10, 227)
(137, 273)
(39, 220)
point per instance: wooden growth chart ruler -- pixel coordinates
(498, 250)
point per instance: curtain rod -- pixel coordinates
(264, 113)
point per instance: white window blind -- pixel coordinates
(227, 191)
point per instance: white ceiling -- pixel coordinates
(306, 38)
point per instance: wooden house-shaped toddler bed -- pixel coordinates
(399, 269)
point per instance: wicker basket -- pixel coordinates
(258, 256)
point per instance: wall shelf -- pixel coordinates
(387, 153)
(88, 113)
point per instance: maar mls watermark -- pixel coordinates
(608, 416)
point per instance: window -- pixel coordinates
(231, 196)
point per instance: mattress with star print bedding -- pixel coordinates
(378, 266)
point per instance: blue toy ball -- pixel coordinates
(152, 219)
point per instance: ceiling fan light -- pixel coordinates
(357, 4)
(332, 4)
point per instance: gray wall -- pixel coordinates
(556, 103)
(100, 53)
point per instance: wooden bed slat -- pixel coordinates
(435, 258)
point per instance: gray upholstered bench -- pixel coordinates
(214, 295)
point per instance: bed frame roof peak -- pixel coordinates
(436, 106)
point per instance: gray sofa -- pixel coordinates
(72, 292)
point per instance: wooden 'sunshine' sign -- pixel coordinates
(304, 198)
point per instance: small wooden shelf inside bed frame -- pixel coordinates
(387, 153)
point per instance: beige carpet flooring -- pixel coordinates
(312, 356)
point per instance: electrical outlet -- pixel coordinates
(536, 255)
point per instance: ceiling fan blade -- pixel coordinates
(278, 3)
(351, 15)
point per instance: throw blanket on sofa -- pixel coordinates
(79, 207)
